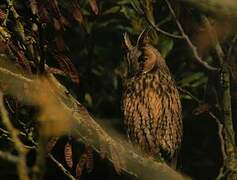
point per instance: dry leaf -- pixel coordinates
(51, 143)
(56, 24)
(202, 108)
(80, 165)
(68, 154)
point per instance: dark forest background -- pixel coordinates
(80, 42)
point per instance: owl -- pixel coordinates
(151, 104)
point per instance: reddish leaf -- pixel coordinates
(103, 151)
(2, 15)
(56, 24)
(3, 47)
(77, 14)
(59, 42)
(68, 154)
(67, 67)
(20, 57)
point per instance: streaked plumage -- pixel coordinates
(150, 102)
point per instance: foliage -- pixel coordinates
(80, 43)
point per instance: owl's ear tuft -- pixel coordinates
(143, 38)
(126, 41)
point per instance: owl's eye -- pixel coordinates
(142, 59)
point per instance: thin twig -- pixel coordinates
(164, 32)
(8, 157)
(141, 11)
(220, 134)
(211, 114)
(189, 42)
(61, 167)
(21, 165)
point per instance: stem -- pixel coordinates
(229, 134)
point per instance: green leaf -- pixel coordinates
(112, 10)
(194, 80)
(165, 45)
(88, 99)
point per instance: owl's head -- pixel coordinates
(142, 57)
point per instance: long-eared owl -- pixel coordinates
(150, 101)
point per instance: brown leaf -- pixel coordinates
(68, 154)
(3, 47)
(51, 143)
(2, 14)
(20, 57)
(202, 108)
(56, 24)
(52, 70)
(63, 21)
(103, 151)
(44, 14)
(77, 14)
(60, 42)
(67, 67)
(94, 6)
(90, 160)
(34, 7)
(80, 165)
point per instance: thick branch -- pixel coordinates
(123, 157)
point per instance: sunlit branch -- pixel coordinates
(85, 127)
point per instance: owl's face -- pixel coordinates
(142, 57)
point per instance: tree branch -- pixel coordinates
(189, 42)
(150, 19)
(230, 158)
(61, 167)
(123, 157)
